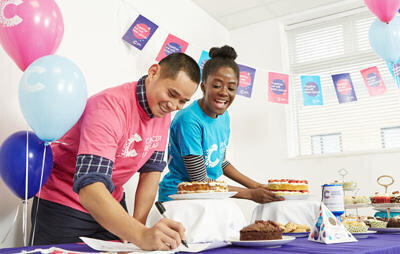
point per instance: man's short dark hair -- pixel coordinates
(175, 62)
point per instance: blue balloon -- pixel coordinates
(13, 163)
(52, 96)
(385, 39)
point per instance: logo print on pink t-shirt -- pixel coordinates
(128, 150)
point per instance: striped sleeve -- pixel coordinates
(196, 168)
(225, 162)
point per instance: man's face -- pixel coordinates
(219, 91)
(166, 95)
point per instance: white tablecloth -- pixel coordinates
(296, 211)
(205, 220)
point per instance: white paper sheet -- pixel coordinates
(101, 245)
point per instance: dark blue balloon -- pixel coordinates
(13, 163)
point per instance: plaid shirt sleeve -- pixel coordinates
(155, 163)
(90, 169)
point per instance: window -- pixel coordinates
(334, 47)
(328, 143)
(390, 137)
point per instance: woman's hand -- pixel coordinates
(262, 196)
(165, 235)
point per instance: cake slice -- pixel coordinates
(261, 230)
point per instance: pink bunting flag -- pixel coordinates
(278, 87)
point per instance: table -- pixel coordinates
(296, 211)
(377, 244)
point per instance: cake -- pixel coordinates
(202, 187)
(394, 222)
(395, 197)
(361, 200)
(381, 198)
(348, 200)
(261, 230)
(374, 223)
(350, 185)
(288, 186)
(291, 227)
(355, 226)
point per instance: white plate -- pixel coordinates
(296, 197)
(298, 234)
(353, 206)
(361, 235)
(207, 195)
(394, 210)
(265, 243)
(386, 230)
(386, 205)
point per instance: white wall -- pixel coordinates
(259, 128)
(92, 40)
(93, 29)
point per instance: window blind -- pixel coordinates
(334, 47)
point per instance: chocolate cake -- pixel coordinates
(261, 230)
(394, 222)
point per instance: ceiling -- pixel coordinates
(238, 13)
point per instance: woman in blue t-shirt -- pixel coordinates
(199, 134)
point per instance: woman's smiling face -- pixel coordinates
(219, 91)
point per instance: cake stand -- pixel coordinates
(386, 206)
(353, 192)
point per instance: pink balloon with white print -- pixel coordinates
(30, 29)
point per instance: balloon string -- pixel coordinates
(37, 205)
(12, 225)
(24, 220)
(25, 212)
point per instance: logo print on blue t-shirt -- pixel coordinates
(209, 153)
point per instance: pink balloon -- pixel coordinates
(383, 9)
(30, 29)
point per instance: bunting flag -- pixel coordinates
(373, 80)
(204, 57)
(395, 71)
(278, 87)
(344, 87)
(172, 45)
(246, 80)
(312, 92)
(140, 32)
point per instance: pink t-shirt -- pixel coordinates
(113, 126)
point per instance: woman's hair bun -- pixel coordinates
(224, 52)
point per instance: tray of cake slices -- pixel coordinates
(387, 201)
(384, 225)
(353, 202)
(357, 226)
(382, 201)
(290, 189)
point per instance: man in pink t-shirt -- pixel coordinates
(123, 130)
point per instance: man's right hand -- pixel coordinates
(165, 235)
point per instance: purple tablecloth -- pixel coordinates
(377, 244)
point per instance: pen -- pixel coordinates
(161, 209)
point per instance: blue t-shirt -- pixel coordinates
(193, 132)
